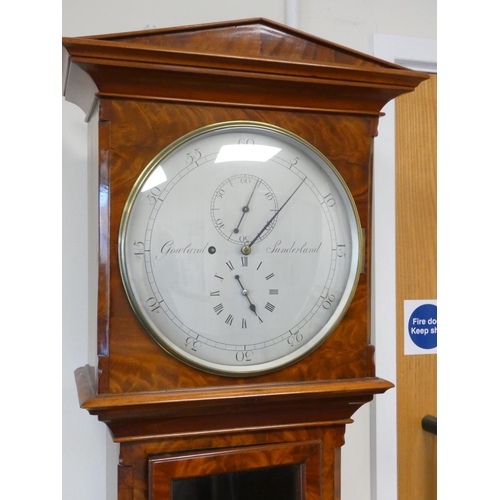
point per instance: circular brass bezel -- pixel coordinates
(323, 333)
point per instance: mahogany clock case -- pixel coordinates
(142, 130)
(141, 92)
(152, 88)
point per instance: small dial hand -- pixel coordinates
(248, 248)
(244, 292)
(246, 208)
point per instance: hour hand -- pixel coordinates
(244, 292)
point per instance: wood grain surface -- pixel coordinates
(141, 91)
(416, 254)
(137, 132)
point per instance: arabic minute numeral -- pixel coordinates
(193, 157)
(140, 249)
(294, 338)
(153, 305)
(242, 356)
(328, 301)
(192, 343)
(330, 201)
(153, 195)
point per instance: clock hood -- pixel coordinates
(246, 62)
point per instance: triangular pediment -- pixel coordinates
(253, 62)
(261, 38)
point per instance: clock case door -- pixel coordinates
(140, 92)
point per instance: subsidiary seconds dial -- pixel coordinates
(240, 248)
(239, 205)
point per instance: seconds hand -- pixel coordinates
(246, 208)
(248, 248)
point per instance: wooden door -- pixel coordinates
(416, 257)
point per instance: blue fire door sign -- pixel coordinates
(420, 326)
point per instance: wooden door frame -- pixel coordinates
(421, 55)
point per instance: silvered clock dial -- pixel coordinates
(240, 248)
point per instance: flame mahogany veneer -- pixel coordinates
(141, 91)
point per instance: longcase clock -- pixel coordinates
(233, 340)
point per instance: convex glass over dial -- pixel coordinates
(239, 248)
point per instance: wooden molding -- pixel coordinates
(278, 67)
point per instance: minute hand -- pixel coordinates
(275, 215)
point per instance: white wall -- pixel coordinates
(86, 443)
